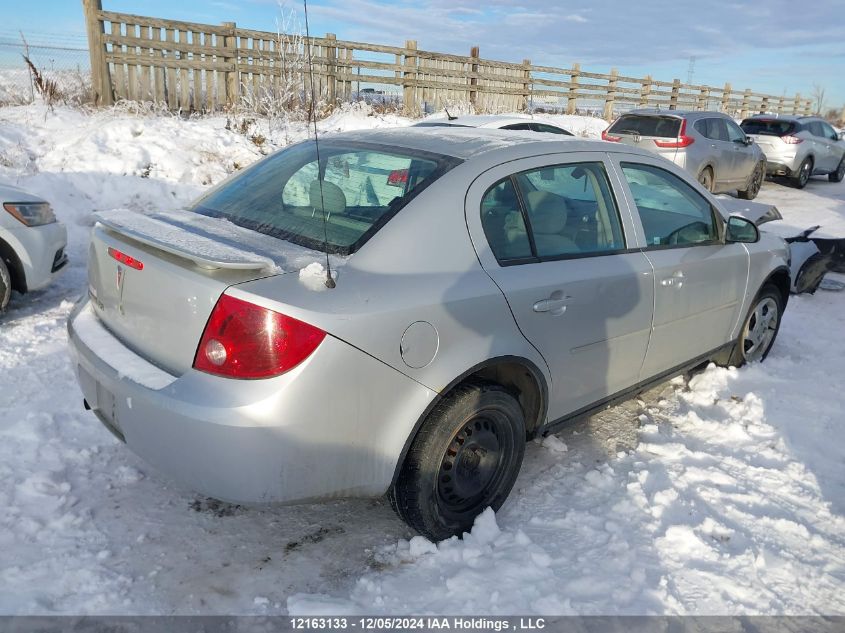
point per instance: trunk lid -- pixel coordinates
(640, 130)
(154, 279)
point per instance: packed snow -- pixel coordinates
(724, 493)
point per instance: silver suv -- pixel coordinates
(509, 286)
(709, 145)
(798, 147)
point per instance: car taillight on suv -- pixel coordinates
(682, 141)
(789, 139)
(244, 340)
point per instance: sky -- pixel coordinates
(772, 46)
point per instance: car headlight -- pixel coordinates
(31, 213)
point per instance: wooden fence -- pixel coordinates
(202, 67)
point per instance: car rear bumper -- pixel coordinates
(334, 426)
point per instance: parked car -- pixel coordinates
(496, 122)
(798, 147)
(510, 287)
(709, 145)
(32, 243)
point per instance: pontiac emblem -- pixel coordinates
(121, 276)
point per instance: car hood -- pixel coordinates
(10, 193)
(757, 212)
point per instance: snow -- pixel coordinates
(723, 494)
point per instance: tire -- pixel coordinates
(839, 174)
(465, 458)
(755, 347)
(5, 286)
(805, 170)
(755, 184)
(707, 179)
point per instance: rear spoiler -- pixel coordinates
(204, 251)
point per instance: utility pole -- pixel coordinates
(691, 69)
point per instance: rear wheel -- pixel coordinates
(755, 183)
(760, 328)
(800, 180)
(5, 286)
(839, 174)
(706, 178)
(465, 458)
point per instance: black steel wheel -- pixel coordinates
(465, 458)
(839, 174)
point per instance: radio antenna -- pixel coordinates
(312, 114)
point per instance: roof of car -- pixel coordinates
(677, 113)
(784, 117)
(466, 142)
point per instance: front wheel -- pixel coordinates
(465, 458)
(760, 328)
(755, 184)
(839, 174)
(5, 286)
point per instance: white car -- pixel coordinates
(32, 243)
(496, 122)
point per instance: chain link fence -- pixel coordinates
(58, 58)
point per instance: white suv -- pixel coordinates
(32, 243)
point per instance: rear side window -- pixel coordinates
(335, 204)
(645, 125)
(671, 211)
(768, 127)
(551, 129)
(817, 129)
(555, 212)
(713, 129)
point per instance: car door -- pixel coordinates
(549, 233)
(823, 150)
(699, 280)
(744, 158)
(834, 146)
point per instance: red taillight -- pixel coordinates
(123, 258)
(244, 340)
(682, 141)
(398, 178)
(607, 137)
(791, 140)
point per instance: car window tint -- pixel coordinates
(702, 127)
(671, 211)
(816, 128)
(504, 226)
(734, 132)
(571, 210)
(647, 125)
(769, 127)
(518, 126)
(336, 208)
(829, 132)
(550, 129)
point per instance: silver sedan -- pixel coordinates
(300, 334)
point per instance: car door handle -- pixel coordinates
(555, 305)
(675, 281)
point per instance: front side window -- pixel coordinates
(735, 134)
(816, 129)
(553, 212)
(671, 211)
(336, 204)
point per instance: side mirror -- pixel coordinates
(741, 230)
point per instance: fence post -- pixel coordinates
(474, 53)
(331, 70)
(230, 42)
(726, 98)
(676, 91)
(703, 97)
(409, 90)
(100, 78)
(526, 86)
(780, 104)
(746, 102)
(645, 91)
(764, 105)
(610, 96)
(572, 100)
(797, 103)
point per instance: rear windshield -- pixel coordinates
(647, 125)
(335, 206)
(771, 127)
